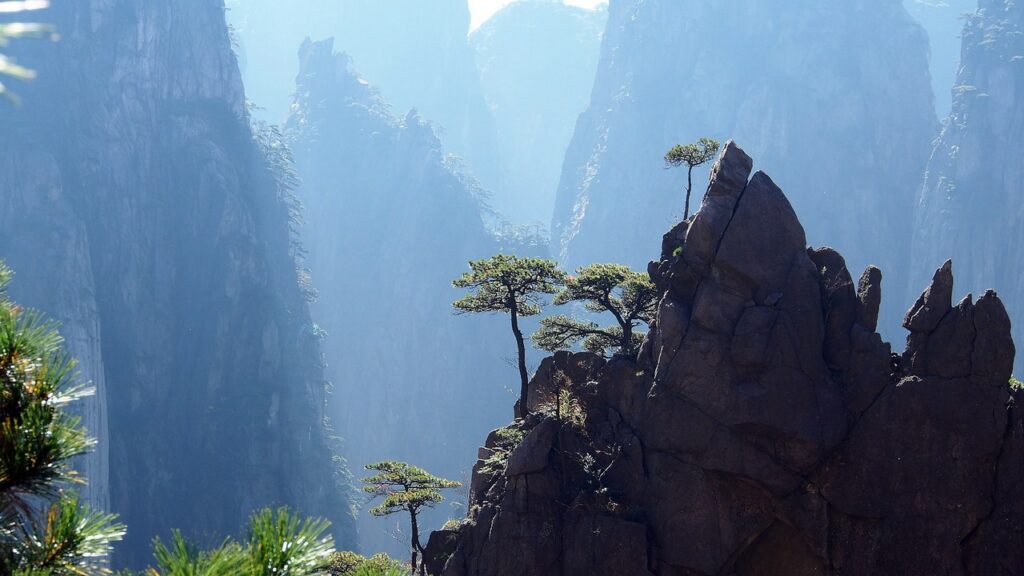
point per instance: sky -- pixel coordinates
(484, 9)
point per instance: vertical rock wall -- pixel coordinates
(145, 217)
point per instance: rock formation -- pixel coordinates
(835, 96)
(537, 61)
(141, 212)
(390, 223)
(974, 186)
(416, 52)
(765, 429)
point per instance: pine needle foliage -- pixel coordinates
(405, 488)
(15, 30)
(284, 544)
(508, 283)
(513, 285)
(352, 564)
(278, 543)
(182, 558)
(691, 156)
(629, 297)
(44, 529)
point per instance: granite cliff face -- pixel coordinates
(834, 95)
(390, 223)
(141, 212)
(537, 61)
(766, 428)
(970, 205)
(416, 52)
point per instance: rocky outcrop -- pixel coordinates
(411, 380)
(968, 205)
(142, 213)
(766, 428)
(537, 60)
(834, 96)
(417, 53)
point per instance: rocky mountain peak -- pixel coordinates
(765, 428)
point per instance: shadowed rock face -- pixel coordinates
(139, 210)
(969, 208)
(766, 428)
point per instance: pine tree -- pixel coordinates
(44, 529)
(691, 156)
(513, 285)
(406, 488)
(629, 297)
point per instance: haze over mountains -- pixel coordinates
(241, 293)
(143, 213)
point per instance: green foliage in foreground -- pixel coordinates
(183, 559)
(14, 30)
(630, 297)
(44, 529)
(278, 543)
(1016, 384)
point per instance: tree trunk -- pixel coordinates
(415, 543)
(524, 378)
(627, 339)
(689, 188)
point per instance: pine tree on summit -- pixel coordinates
(691, 156)
(514, 285)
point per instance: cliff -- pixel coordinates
(416, 52)
(391, 221)
(969, 206)
(835, 96)
(766, 428)
(537, 60)
(140, 210)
